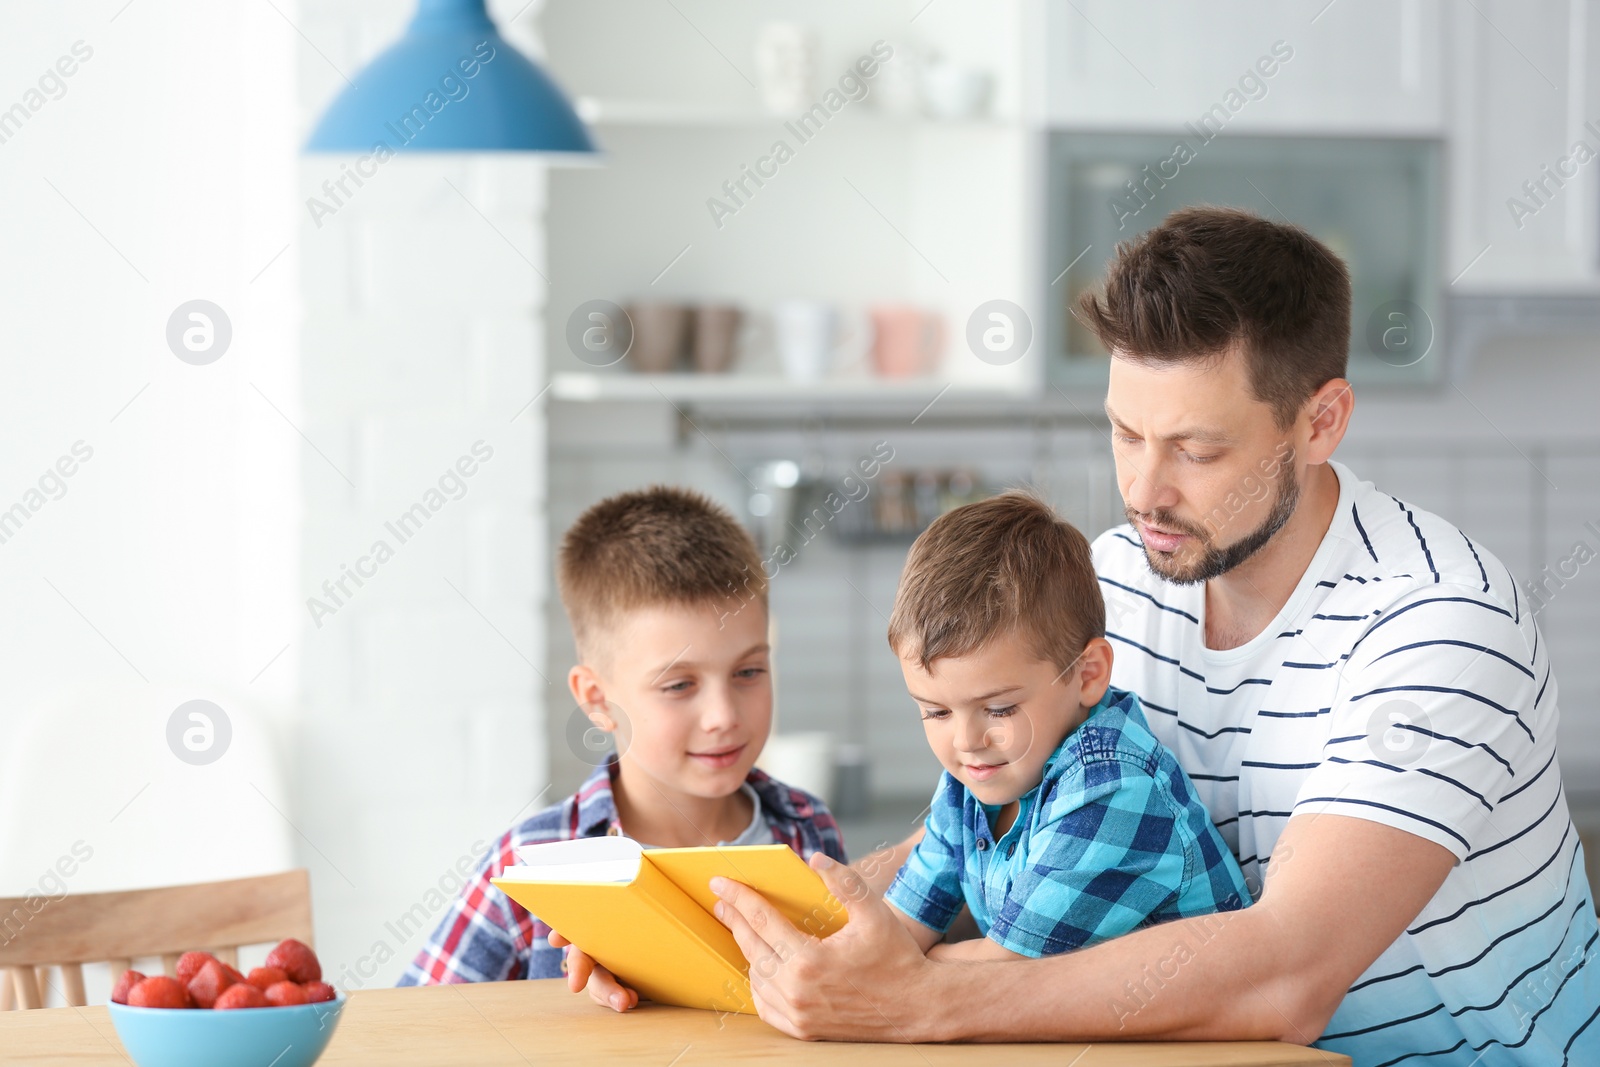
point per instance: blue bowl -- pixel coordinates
(244, 1037)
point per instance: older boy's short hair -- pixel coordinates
(1006, 566)
(650, 547)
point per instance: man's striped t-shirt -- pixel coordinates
(1404, 682)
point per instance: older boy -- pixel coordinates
(1059, 820)
(668, 604)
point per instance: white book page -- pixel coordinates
(590, 859)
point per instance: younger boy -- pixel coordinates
(668, 605)
(1059, 820)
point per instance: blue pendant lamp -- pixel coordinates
(451, 84)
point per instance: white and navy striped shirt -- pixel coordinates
(1404, 682)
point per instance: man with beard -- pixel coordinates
(1358, 691)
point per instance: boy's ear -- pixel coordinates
(589, 690)
(1094, 670)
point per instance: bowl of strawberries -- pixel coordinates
(281, 1014)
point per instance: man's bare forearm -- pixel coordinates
(1207, 978)
(976, 948)
(1228, 976)
(1278, 968)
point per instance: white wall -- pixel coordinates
(367, 356)
(163, 568)
(421, 735)
(163, 174)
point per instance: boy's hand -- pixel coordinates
(584, 973)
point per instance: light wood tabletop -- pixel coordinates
(523, 1023)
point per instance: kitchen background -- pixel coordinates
(791, 311)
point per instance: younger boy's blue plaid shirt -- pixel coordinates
(1111, 839)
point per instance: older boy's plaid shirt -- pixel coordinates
(485, 936)
(1111, 839)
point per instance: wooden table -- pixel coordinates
(523, 1023)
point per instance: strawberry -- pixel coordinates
(209, 983)
(189, 965)
(283, 994)
(159, 991)
(241, 995)
(319, 991)
(129, 979)
(296, 960)
(264, 978)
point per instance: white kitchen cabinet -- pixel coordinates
(1509, 85)
(1306, 66)
(1524, 146)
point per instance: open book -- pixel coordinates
(646, 915)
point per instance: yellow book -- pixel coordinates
(645, 915)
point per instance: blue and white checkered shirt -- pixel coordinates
(1111, 839)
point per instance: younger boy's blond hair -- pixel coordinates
(1008, 566)
(650, 547)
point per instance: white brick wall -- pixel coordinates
(423, 711)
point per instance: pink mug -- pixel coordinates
(907, 340)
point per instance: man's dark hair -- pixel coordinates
(1209, 279)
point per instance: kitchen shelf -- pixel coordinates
(602, 113)
(749, 394)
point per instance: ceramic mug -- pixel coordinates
(659, 334)
(716, 332)
(906, 340)
(806, 334)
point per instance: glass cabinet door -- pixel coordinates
(1375, 202)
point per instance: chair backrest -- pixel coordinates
(79, 928)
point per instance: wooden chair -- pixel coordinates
(119, 928)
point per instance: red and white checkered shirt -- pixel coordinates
(485, 936)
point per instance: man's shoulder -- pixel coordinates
(1396, 548)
